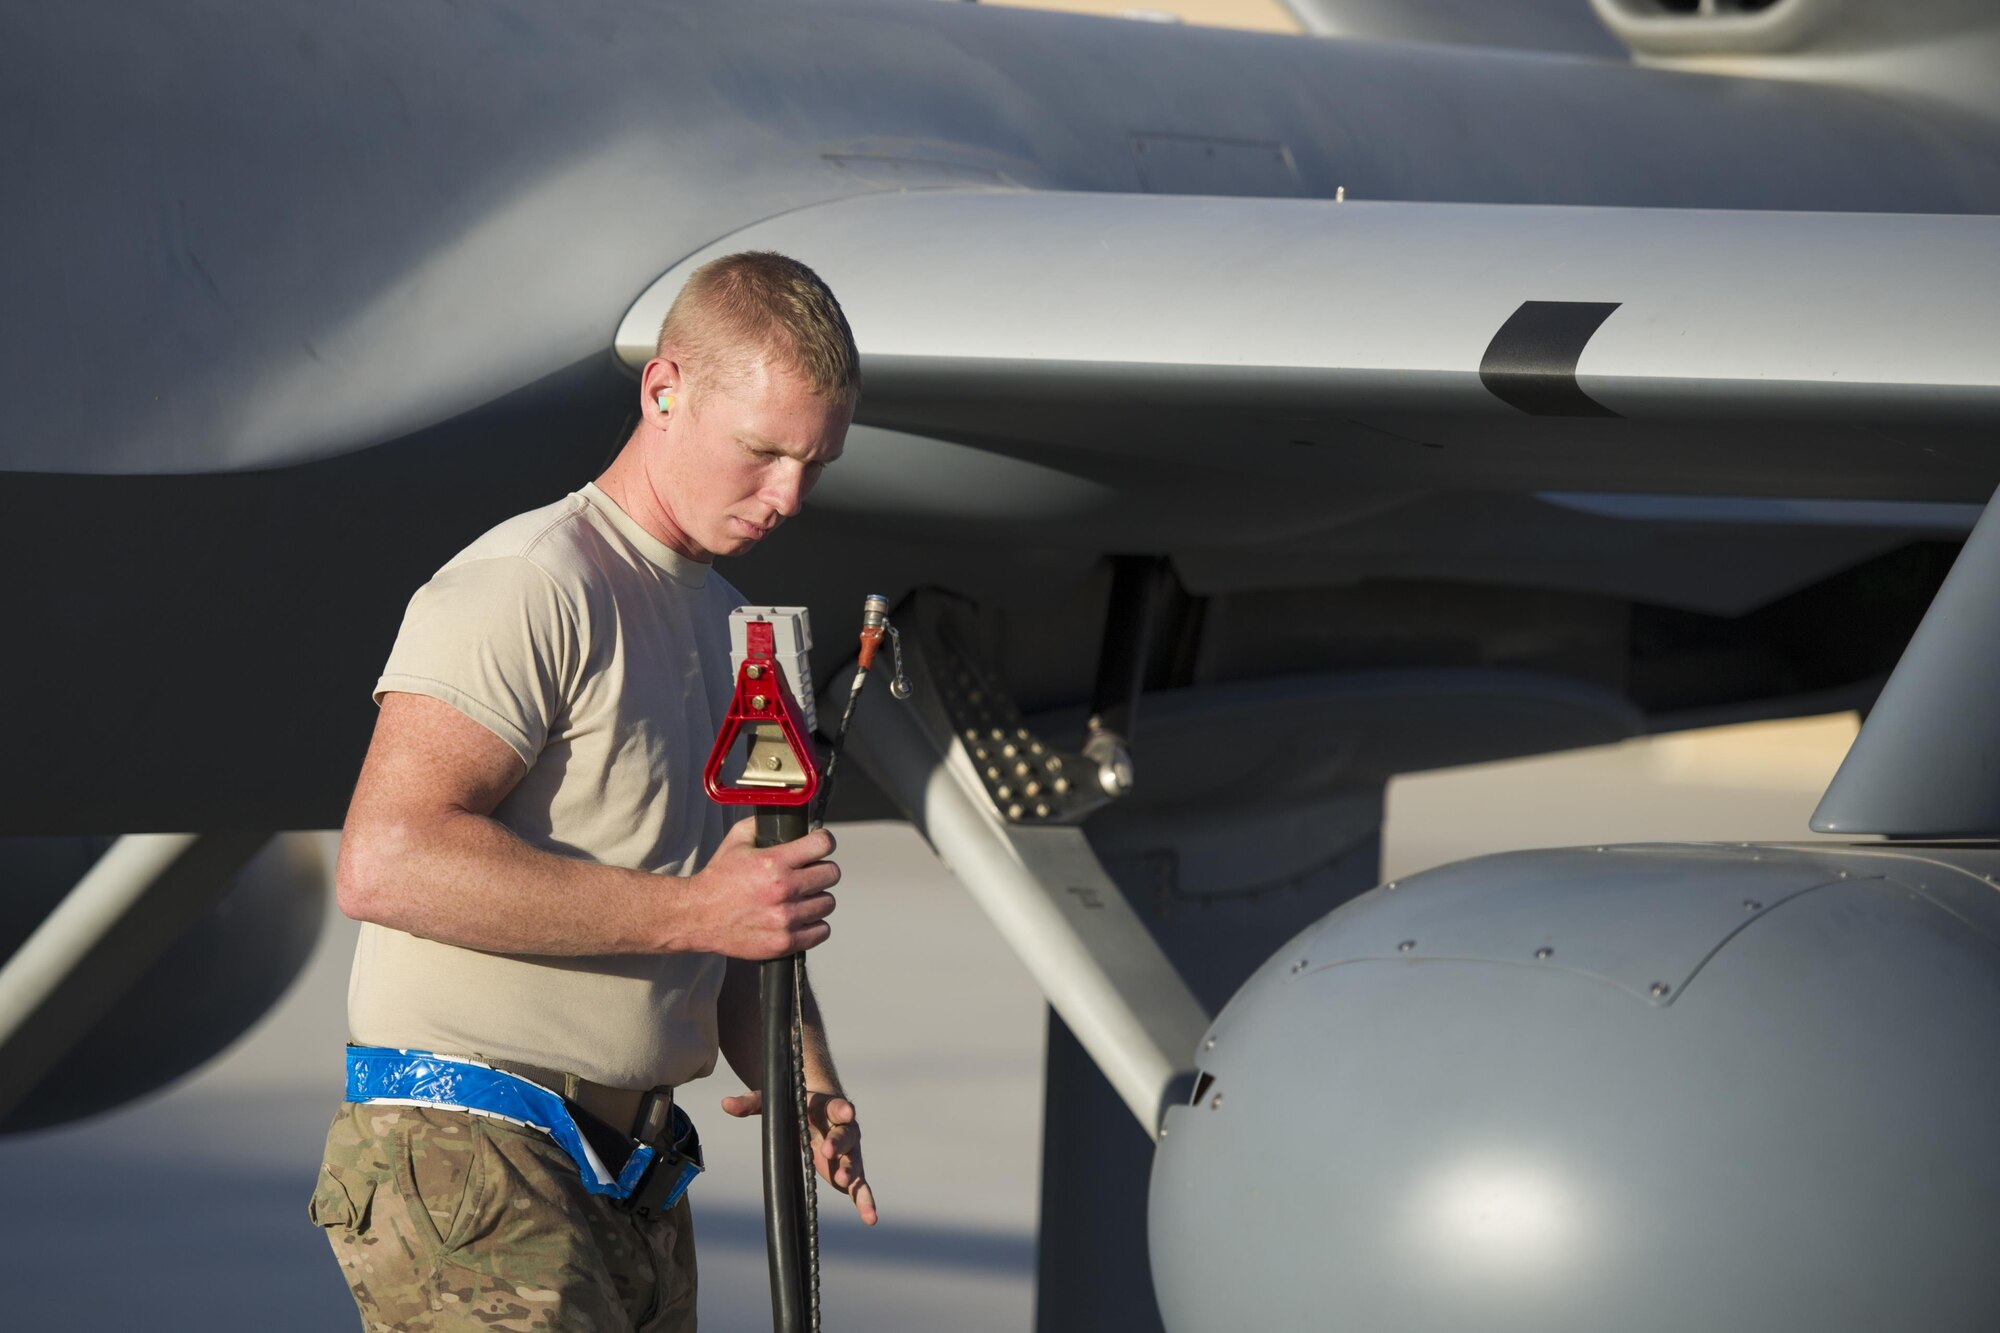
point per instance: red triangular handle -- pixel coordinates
(762, 698)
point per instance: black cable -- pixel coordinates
(801, 1107)
(839, 743)
(801, 1114)
(784, 1191)
(792, 1204)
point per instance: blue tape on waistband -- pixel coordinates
(419, 1078)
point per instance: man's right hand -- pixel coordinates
(761, 902)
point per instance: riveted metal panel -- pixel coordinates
(1643, 918)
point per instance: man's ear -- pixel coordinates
(661, 389)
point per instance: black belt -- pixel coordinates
(638, 1113)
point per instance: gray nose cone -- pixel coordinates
(1656, 1088)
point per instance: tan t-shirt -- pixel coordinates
(602, 658)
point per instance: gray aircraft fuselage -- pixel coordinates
(301, 298)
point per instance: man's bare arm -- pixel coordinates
(421, 853)
(740, 1033)
(836, 1129)
(737, 1023)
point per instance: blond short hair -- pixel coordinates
(758, 303)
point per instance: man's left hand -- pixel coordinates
(836, 1135)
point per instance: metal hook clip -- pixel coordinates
(899, 684)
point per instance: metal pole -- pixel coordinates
(784, 1183)
(1052, 901)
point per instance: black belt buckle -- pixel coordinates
(656, 1108)
(674, 1168)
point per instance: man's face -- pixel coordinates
(744, 458)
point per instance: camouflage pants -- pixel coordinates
(444, 1221)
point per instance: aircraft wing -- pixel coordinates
(1420, 345)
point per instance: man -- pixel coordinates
(545, 887)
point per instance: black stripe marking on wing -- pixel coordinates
(1531, 362)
